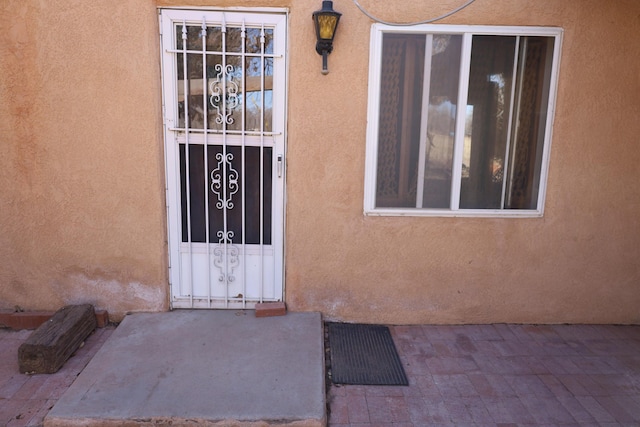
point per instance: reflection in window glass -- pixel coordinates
(490, 78)
(441, 120)
(237, 92)
(233, 40)
(253, 41)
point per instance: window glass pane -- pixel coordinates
(259, 96)
(214, 39)
(527, 139)
(194, 41)
(225, 93)
(253, 40)
(443, 95)
(222, 96)
(488, 109)
(399, 119)
(233, 39)
(193, 72)
(214, 92)
(180, 74)
(194, 89)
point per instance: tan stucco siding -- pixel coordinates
(579, 263)
(82, 205)
(82, 164)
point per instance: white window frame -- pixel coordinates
(467, 31)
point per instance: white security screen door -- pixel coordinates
(224, 101)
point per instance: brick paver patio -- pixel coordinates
(477, 375)
(26, 399)
(503, 375)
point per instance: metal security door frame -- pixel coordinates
(185, 263)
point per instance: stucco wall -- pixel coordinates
(82, 214)
(579, 263)
(82, 175)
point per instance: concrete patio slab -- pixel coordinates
(205, 368)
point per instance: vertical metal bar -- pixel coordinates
(509, 155)
(424, 120)
(223, 101)
(205, 123)
(262, 163)
(185, 86)
(243, 167)
(274, 182)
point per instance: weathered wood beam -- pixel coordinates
(49, 346)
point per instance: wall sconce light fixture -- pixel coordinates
(325, 21)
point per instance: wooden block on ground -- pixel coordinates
(268, 309)
(49, 346)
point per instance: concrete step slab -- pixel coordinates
(206, 368)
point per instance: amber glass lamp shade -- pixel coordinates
(325, 21)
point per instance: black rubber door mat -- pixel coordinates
(364, 355)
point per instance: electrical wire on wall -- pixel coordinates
(426, 21)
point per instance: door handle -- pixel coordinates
(279, 165)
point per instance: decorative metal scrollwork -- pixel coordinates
(224, 94)
(231, 181)
(226, 256)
